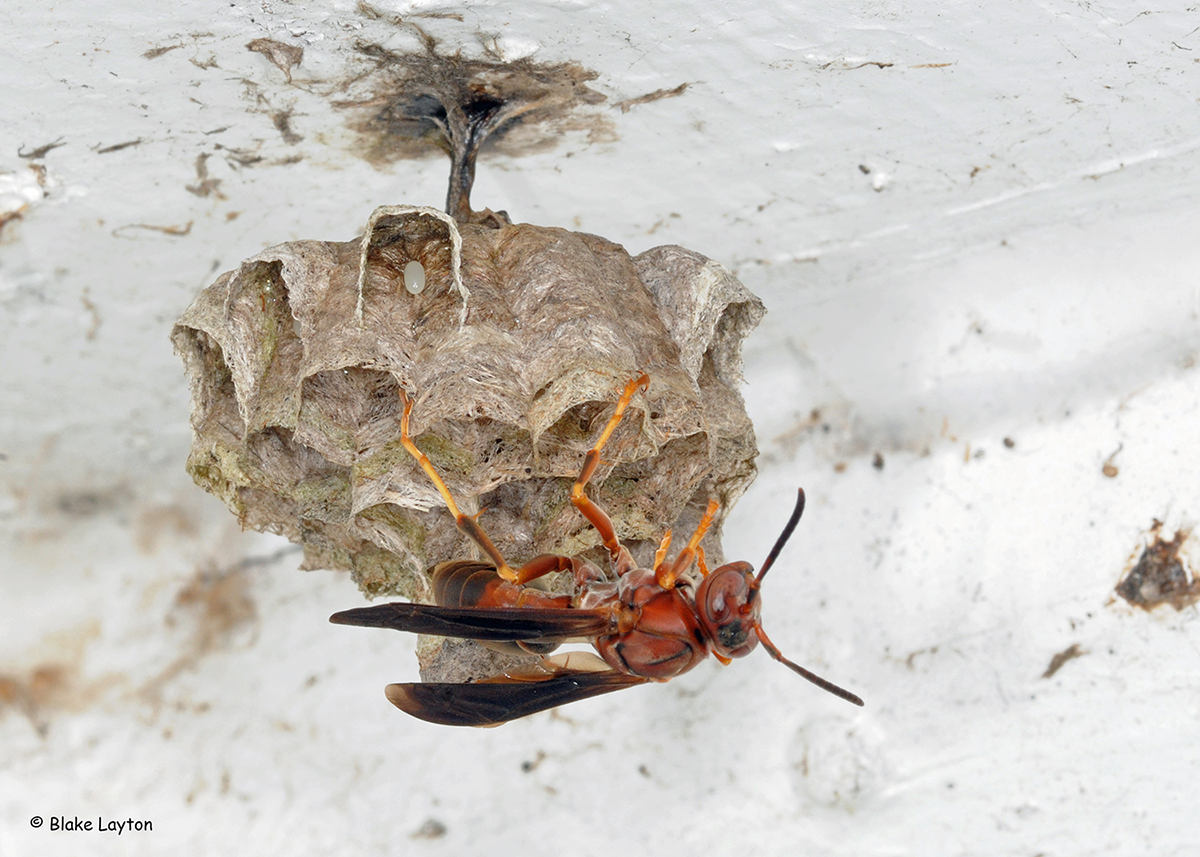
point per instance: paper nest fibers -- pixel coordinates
(514, 352)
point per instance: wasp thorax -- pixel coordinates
(728, 606)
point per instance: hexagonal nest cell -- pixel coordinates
(514, 345)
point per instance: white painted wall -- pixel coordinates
(1019, 260)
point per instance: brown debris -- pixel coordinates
(156, 524)
(430, 829)
(178, 231)
(210, 611)
(1160, 575)
(1056, 663)
(9, 216)
(43, 690)
(92, 310)
(155, 53)
(219, 603)
(282, 55)
(55, 682)
(1109, 469)
(629, 103)
(40, 152)
(119, 146)
(90, 502)
(841, 65)
(282, 120)
(204, 185)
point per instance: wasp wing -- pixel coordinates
(505, 624)
(498, 700)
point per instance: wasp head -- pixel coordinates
(728, 607)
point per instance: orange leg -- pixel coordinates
(469, 524)
(595, 515)
(666, 576)
(542, 564)
(661, 553)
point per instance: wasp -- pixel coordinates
(645, 624)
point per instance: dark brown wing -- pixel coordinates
(498, 700)
(481, 623)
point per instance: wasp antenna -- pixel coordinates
(801, 671)
(784, 536)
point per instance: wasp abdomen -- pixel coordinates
(466, 583)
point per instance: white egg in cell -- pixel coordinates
(414, 277)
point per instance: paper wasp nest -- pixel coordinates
(514, 341)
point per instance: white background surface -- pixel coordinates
(1018, 259)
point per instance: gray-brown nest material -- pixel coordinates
(407, 102)
(296, 407)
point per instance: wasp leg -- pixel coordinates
(542, 564)
(595, 515)
(661, 554)
(466, 523)
(667, 575)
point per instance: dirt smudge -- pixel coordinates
(1068, 654)
(1160, 575)
(54, 681)
(282, 55)
(658, 94)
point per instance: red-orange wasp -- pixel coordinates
(647, 625)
